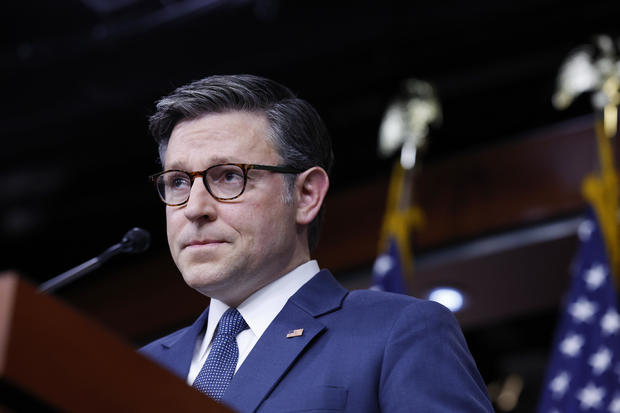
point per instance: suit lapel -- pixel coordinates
(178, 350)
(274, 353)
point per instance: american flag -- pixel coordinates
(387, 272)
(584, 372)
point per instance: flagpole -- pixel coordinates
(601, 191)
(582, 72)
(405, 129)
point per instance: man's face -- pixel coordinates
(229, 249)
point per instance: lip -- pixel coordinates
(202, 243)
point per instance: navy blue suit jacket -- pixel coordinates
(360, 351)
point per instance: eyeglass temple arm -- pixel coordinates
(281, 169)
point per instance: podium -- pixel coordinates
(54, 359)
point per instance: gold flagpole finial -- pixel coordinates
(407, 119)
(592, 68)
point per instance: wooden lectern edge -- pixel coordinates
(8, 284)
(68, 361)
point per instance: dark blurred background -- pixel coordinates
(499, 180)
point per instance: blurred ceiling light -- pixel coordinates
(450, 297)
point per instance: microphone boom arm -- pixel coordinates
(136, 240)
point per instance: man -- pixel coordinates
(246, 171)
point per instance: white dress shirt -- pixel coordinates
(258, 311)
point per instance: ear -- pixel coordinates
(311, 186)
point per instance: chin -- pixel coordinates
(203, 280)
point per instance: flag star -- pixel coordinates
(559, 385)
(600, 360)
(383, 264)
(582, 310)
(595, 276)
(614, 406)
(591, 396)
(585, 230)
(571, 345)
(610, 323)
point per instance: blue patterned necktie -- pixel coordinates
(218, 370)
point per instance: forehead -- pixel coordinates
(220, 137)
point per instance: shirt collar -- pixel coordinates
(259, 309)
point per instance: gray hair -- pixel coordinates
(297, 131)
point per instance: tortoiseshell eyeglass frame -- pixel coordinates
(245, 167)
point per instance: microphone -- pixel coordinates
(134, 241)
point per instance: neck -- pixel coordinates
(239, 295)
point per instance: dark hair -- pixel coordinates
(297, 131)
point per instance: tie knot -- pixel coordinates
(231, 323)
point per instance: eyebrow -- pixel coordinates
(214, 161)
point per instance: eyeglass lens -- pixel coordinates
(222, 181)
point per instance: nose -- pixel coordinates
(200, 203)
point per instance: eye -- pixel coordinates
(226, 175)
(177, 181)
(232, 176)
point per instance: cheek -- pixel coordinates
(274, 225)
(173, 226)
(255, 221)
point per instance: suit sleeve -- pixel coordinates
(427, 366)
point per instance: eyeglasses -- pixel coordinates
(224, 181)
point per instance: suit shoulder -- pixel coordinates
(387, 310)
(394, 301)
(166, 341)
(155, 347)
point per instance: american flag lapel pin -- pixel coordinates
(295, 333)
